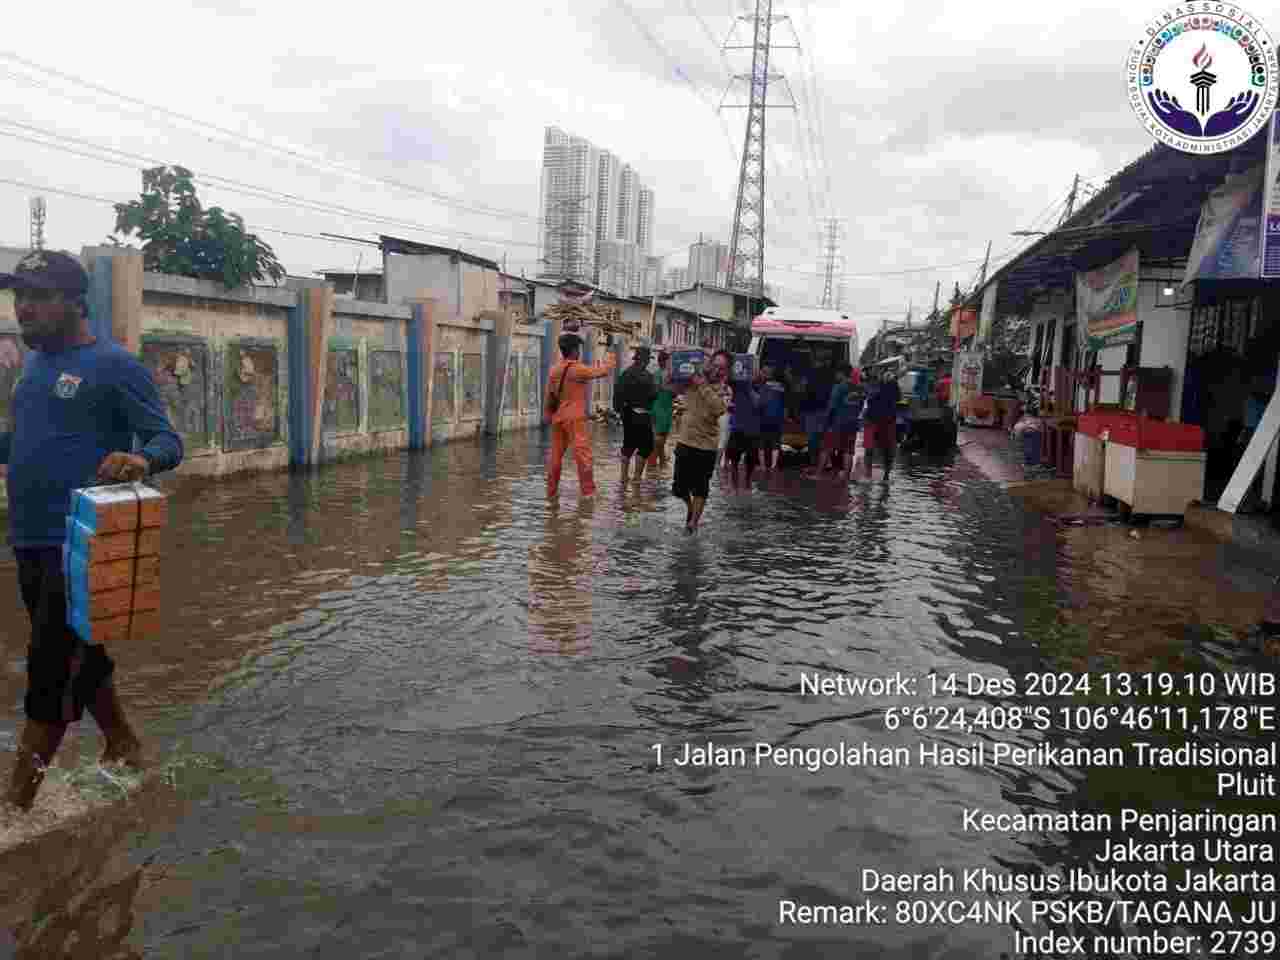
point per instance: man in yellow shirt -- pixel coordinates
(565, 405)
(697, 428)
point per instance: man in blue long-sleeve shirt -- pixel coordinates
(76, 409)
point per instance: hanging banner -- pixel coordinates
(988, 317)
(1226, 241)
(1270, 259)
(1107, 303)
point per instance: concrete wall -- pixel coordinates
(461, 379)
(266, 378)
(1166, 333)
(222, 367)
(712, 303)
(464, 289)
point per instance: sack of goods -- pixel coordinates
(111, 560)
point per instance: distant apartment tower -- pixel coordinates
(597, 215)
(651, 277)
(677, 278)
(708, 263)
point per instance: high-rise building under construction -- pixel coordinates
(597, 215)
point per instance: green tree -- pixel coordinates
(180, 237)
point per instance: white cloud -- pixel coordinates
(943, 126)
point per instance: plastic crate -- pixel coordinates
(685, 363)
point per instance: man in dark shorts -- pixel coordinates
(773, 403)
(697, 423)
(75, 411)
(744, 426)
(880, 421)
(633, 398)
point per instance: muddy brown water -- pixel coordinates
(403, 707)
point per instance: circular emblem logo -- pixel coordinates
(1204, 77)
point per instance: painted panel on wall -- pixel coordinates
(386, 389)
(511, 388)
(472, 386)
(10, 372)
(529, 386)
(342, 391)
(443, 388)
(252, 410)
(180, 367)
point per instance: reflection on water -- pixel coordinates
(411, 710)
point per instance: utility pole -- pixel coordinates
(985, 261)
(1071, 201)
(37, 223)
(937, 289)
(746, 249)
(830, 256)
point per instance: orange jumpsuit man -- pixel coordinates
(566, 406)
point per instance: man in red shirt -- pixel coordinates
(565, 405)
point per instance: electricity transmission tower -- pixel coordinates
(565, 237)
(746, 249)
(831, 260)
(37, 223)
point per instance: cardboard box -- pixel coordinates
(685, 363)
(111, 559)
(119, 507)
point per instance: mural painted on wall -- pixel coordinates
(442, 387)
(472, 386)
(342, 391)
(386, 389)
(530, 387)
(10, 373)
(511, 389)
(181, 372)
(252, 418)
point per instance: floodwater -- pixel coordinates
(404, 708)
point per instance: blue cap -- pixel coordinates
(47, 270)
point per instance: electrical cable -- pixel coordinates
(257, 192)
(295, 154)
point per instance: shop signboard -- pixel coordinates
(1270, 259)
(1227, 236)
(1107, 303)
(968, 378)
(964, 323)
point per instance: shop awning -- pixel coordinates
(1153, 204)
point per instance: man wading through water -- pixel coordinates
(75, 410)
(566, 406)
(662, 411)
(697, 425)
(880, 421)
(633, 398)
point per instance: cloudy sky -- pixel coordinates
(929, 128)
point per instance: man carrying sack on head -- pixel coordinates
(566, 407)
(76, 410)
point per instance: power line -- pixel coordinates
(322, 162)
(24, 185)
(236, 186)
